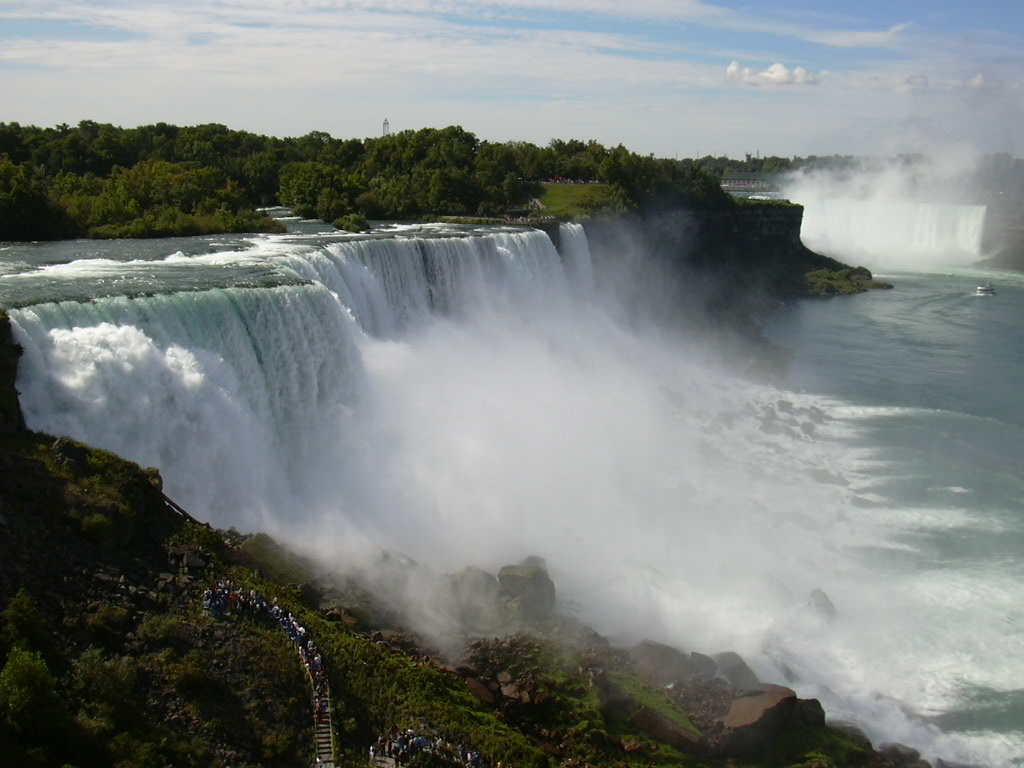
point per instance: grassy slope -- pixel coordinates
(578, 201)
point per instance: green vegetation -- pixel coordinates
(828, 282)
(98, 180)
(579, 201)
(354, 222)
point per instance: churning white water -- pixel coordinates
(473, 399)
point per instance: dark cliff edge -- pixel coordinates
(717, 272)
(11, 418)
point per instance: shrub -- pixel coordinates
(353, 222)
(29, 701)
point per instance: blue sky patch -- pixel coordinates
(61, 30)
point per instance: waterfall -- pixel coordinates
(893, 233)
(576, 257)
(260, 383)
(390, 284)
(250, 381)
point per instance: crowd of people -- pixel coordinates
(226, 599)
(398, 746)
(402, 746)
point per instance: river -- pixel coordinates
(932, 376)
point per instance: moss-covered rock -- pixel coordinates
(841, 282)
(526, 591)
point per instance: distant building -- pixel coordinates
(387, 127)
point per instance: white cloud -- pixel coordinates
(886, 38)
(290, 66)
(776, 74)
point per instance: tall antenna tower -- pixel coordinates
(387, 127)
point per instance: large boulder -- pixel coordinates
(732, 667)
(770, 705)
(895, 755)
(475, 595)
(661, 665)
(744, 722)
(526, 591)
(758, 717)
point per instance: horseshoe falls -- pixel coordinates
(885, 234)
(471, 396)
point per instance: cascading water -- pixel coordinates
(471, 399)
(890, 233)
(250, 381)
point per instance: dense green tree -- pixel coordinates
(26, 211)
(321, 189)
(30, 704)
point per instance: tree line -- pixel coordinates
(100, 180)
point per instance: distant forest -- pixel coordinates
(100, 180)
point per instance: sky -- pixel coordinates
(673, 78)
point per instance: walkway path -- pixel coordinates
(226, 599)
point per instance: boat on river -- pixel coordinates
(985, 290)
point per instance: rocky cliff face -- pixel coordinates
(717, 273)
(11, 419)
(1004, 234)
(743, 257)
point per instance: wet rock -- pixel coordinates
(480, 690)
(901, 756)
(660, 664)
(733, 668)
(820, 604)
(703, 666)
(526, 591)
(854, 732)
(758, 718)
(513, 691)
(901, 751)
(812, 714)
(773, 702)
